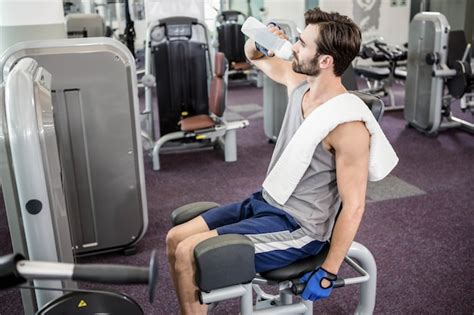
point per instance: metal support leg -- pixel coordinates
(228, 141)
(367, 289)
(309, 307)
(246, 301)
(160, 143)
(147, 123)
(391, 100)
(230, 145)
(156, 157)
(391, 97)
(147, 141)
(286, 297)
(465, 125)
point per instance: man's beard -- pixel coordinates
(311, 69)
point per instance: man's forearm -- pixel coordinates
(251, 52)
(344, 232)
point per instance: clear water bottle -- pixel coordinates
(257, 31)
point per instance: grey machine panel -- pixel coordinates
(31, 175)
(429, 32)
(275, 101)
(275, 95)
(96, 115)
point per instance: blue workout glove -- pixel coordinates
(313, 290)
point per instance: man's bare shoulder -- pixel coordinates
(350, 134)
(351, 126)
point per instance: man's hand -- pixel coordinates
(279, 70)
(319, 284)
(275, 29)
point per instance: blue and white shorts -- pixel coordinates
(278, 239)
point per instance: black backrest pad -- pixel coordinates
(375, 104)
(456, 46)
(231, 42)
(231, 15)
(459, 84)
(348, 78)
(181, 72)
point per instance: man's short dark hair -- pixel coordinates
(338, 37)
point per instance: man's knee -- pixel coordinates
(184, 255)
(173, 238)
(180, 232)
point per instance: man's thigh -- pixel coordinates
(211, 219)
(278, 241)
(192, 227)
(228, 214)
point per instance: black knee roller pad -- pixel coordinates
(190, 211)
(224, 261)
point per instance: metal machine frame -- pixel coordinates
(31, 175)
(358, 258)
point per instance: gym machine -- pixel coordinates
(74, 183)
(16, 271)
(438, 72)
(177, 55)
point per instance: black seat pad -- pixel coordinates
(299, 268)
(372, 72)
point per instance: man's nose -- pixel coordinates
(295, 47)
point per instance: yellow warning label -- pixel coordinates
(82, 303)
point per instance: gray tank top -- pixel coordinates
(315, 201)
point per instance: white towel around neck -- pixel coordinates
(297, 156)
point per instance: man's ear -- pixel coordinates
(326, 61)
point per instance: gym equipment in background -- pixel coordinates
(71, 160)
(231, 40)
(385, 71)
(98, 136)
(85, 25)
(439, 72)
(177, 55)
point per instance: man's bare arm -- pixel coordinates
(277, 69)
(351, 143)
